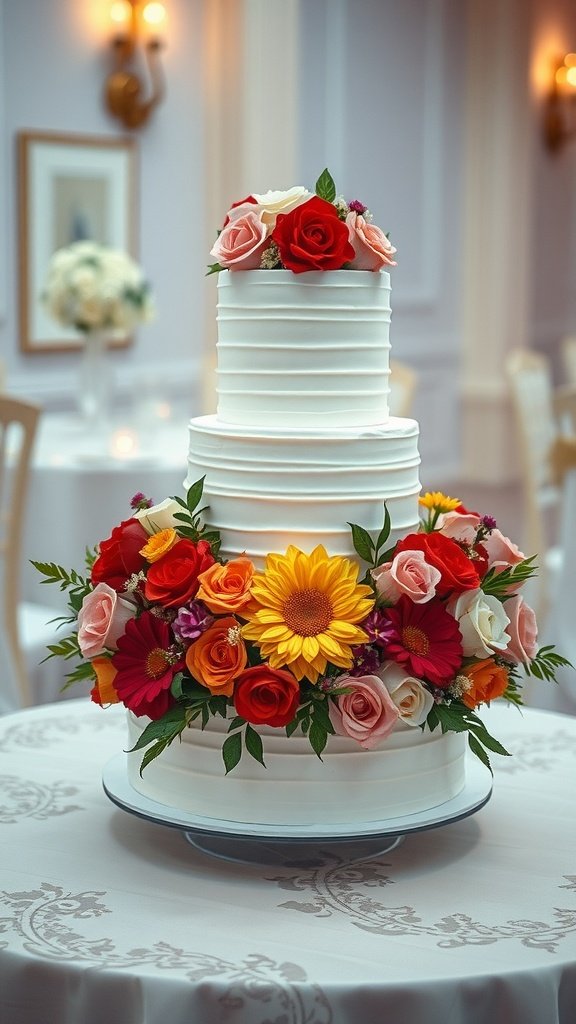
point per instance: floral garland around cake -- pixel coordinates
(436, 628)
(300, 231)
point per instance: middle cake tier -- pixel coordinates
(266, 489)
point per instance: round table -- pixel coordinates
(107, 917)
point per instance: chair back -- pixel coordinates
(403, 381)
(531, 389)
(18, 426)
(569, 359)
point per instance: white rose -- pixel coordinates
(413, 700)
(273, 203)
(482, 622)
(160, 516)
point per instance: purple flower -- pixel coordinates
(366, 661)
(488, 522)
(357, 207)
(191, 621)
(140, 501)
(378, 627)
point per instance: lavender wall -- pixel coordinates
(52, 66)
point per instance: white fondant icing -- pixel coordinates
(313, 345)
(411, 772)
(301, 446)
(268, 488)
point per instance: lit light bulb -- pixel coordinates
(570, 60)
(571, 76)
(121, 12)
(153, 14)
(124, 442)
(562, 75)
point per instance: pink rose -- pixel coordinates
(367, 714)
(461, 527)
(409, 573)
(242, 241)
(502, 552)
(102, 620)
(372, 248)
(523, 630)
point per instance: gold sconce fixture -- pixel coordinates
(137, 28)
(560, 108)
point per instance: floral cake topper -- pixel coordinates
(300, 231)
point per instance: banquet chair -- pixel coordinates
(530, 382)
(25, 627)
(403, 381)
(569, 359)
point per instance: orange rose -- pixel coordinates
(488, 679)
(103, 691)
(226, 588)
(218, 656)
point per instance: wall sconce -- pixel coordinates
(560, 108)
(135, 23)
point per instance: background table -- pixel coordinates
(106, 917)
(82, 481)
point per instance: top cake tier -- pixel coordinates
(311, 348)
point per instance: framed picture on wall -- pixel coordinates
(71, 188)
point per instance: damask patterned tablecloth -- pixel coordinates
(108, 917)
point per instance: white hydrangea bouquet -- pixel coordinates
(96, 290)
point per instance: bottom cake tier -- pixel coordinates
(413, 771)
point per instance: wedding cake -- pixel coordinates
(302, 444)
(303, 639)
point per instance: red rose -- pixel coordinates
(266, 696)
(173, 579)
(312, 237)
(457, 570)
(119, 556)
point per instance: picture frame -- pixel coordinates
(70, 187)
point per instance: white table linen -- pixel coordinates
(107, 917)
(81, 484)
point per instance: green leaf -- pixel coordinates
(236, 723)
(232, 751)
(253, 743)
(214, 268)
(544, 665)
(194, 495)
(325, 187)
(363, 543)
(385, 531)
(478, 749)
(164, 729)
(291, 727)
(498, 584)
(318, 738)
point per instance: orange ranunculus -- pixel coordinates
(103, 691)
(226, 588)
(488, 680)
(218, 656)
(158, 544)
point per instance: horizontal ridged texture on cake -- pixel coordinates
(412, 771)
(267, 488)
(313, 346)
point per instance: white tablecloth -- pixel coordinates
(81, 484)
(107, 917)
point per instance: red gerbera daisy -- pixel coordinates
(425, 640)
(145, 666)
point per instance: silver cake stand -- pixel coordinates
(301, 845)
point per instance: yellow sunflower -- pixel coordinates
(305, 611)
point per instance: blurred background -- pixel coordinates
(451, 119)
